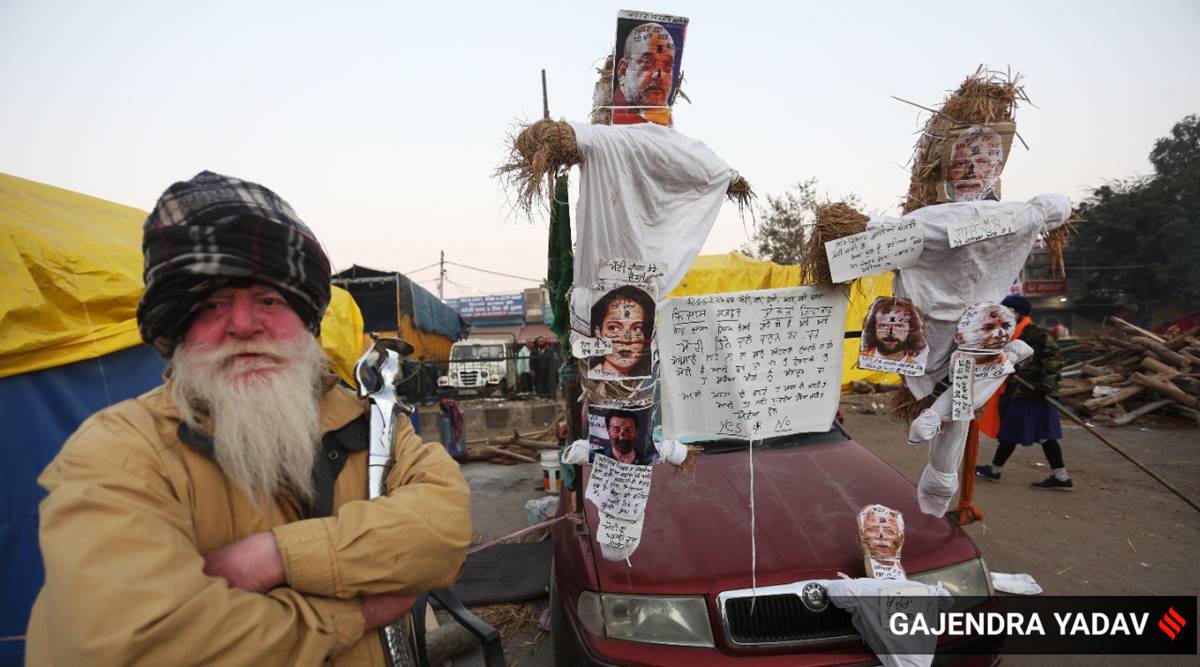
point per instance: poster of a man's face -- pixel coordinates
(624, 435)
(646, 74)
(624, 316)
(893, 338)
(974, 161)
(880, 531)
(985, 328)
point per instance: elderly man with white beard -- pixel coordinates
(222, 518)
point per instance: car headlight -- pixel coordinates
(968, 579)
(678, 621)
(453, 375)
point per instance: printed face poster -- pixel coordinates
(646, 72)
(974, 159)
(624, 318)
(622, 434)
(893, 338)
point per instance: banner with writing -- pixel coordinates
(752, 364)
(877, 250)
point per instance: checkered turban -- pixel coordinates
(213, 230)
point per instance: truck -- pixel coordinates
(482, 366)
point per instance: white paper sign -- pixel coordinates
(583, 346)
(900, 600)
(962, 380)
(617, 532)
(619, 489)
(989, 371)
(898, 366)
(984, 226)
(751, 364)
(877, 250)
(629, 271)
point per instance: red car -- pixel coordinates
(684, 601)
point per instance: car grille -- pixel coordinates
(782, 619)
(469, 378)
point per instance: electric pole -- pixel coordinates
(441, 275)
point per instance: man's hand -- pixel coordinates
(384, 609)
(251, 564)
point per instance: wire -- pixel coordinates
(421, 269)
(496, 273)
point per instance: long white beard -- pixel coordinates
(264, 412)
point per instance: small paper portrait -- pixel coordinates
(646, 72)
(984, 329)
(893, 338)
(625, 317)
(880, 539)
(624, 435)
(880, 531)
(974, 158)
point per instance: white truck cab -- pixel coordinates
(481, 366)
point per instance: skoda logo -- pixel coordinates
(814, 597)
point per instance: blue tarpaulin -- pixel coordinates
(38, 412)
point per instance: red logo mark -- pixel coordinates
(1172, 623)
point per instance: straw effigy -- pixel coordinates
(834, 221)
(548, 147)
(983, 97)
(602, 96)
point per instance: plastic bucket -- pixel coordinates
(551, 472)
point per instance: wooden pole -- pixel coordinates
(967, 511)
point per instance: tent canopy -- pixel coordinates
(73, 270)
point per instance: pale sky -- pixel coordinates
(381, 122)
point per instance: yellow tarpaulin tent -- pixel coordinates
(735, 272)
(72, 267)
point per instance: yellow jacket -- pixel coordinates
(132, 509)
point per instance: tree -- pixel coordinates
(781, 225)
(1142, 233)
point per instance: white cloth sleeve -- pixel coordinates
(577, 453)
(672, 451)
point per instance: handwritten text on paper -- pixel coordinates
(984, 226)
(751, 364)
(619, 489)
(877, 250)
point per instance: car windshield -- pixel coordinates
(477, 353)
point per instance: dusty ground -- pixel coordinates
(1118, 533)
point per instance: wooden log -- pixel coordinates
(1123, 395)
(1156, 366)
(1144, 410)
(1180, 359)
(1105, 379)
(513, 455)
(1184, 412)
(1074, 391)
(1165, 389)
(1136, 329)
(1089, 369)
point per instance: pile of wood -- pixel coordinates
(1130, 373)
(510, 449)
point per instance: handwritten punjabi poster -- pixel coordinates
(752, 364)
(619, 489)
(877, 250)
